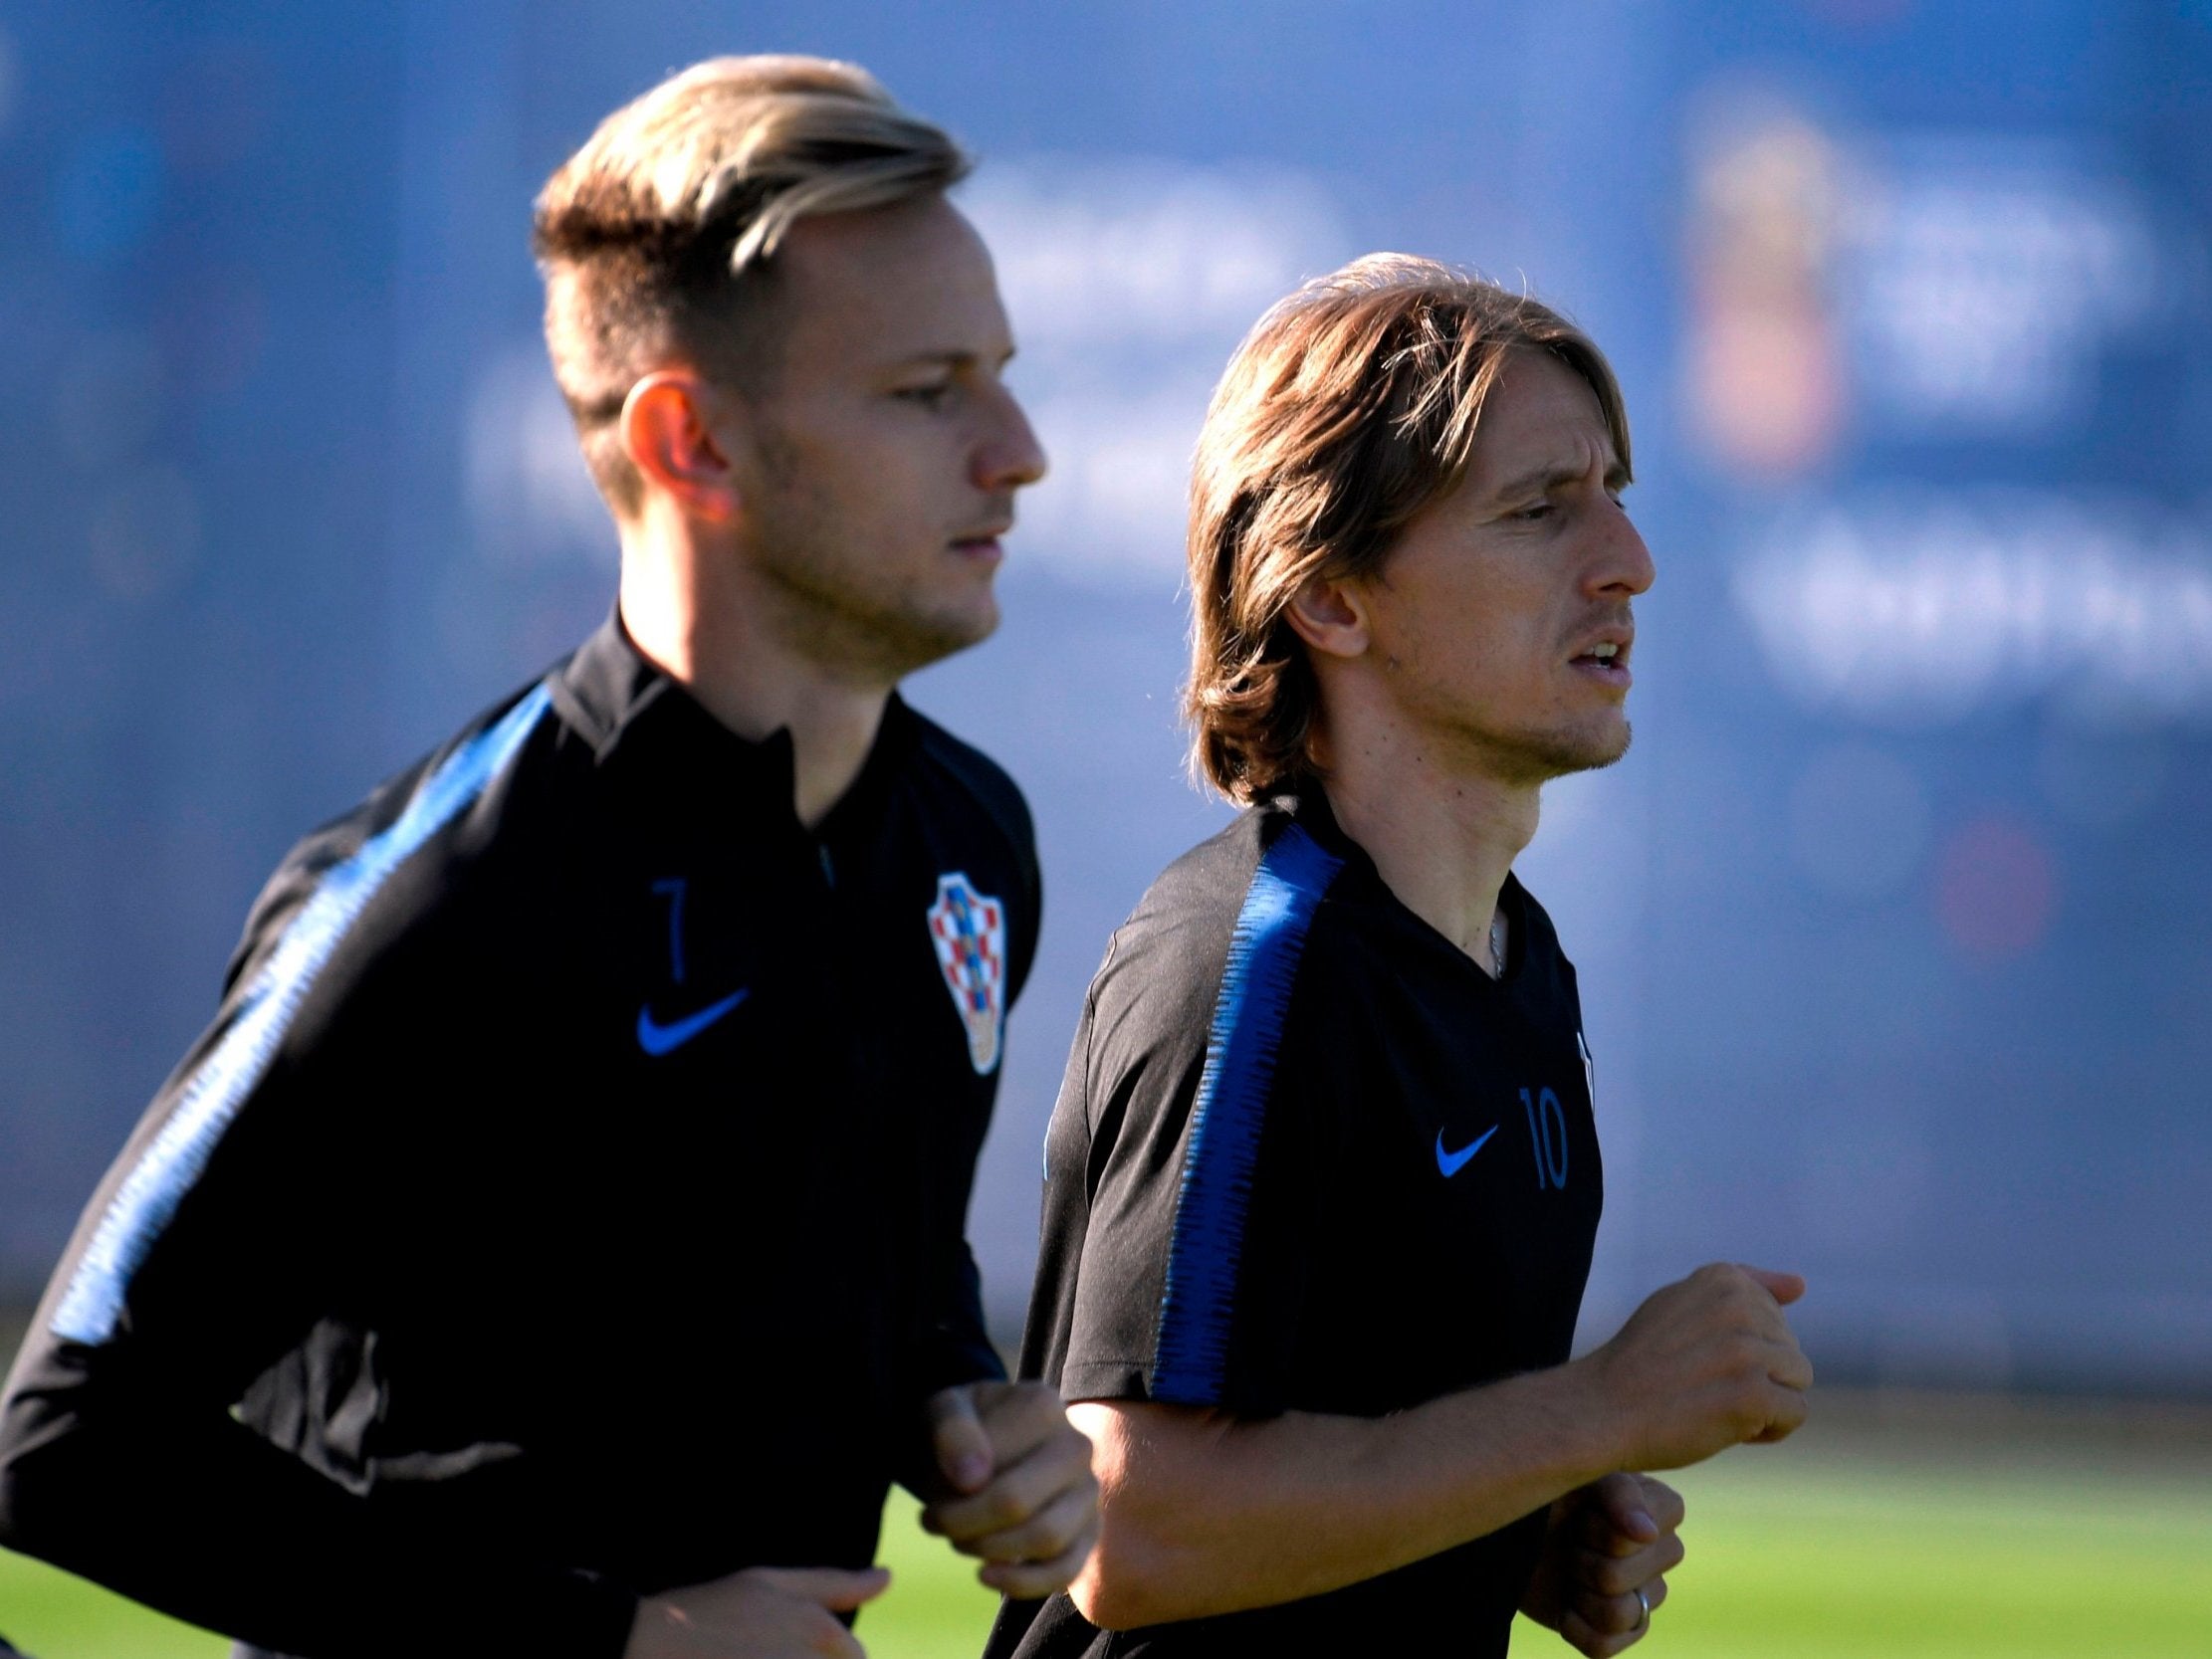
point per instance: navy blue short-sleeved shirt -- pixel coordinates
(1309, 1156)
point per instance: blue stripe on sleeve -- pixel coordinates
(1191, 1349)
(211, 1096)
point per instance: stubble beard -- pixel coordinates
(866, 634)
(1532, 758)
(831, 610)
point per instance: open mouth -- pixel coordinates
(984, 535)
(1607, 661)
(978, 547)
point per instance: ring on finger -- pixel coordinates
(1642, 1614)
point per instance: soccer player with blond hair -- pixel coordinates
(555, 1244)
(1323, 1179)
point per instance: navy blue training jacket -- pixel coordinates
(565, 1204)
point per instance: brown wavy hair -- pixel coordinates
(1349, 409)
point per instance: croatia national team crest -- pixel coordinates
(969, 929)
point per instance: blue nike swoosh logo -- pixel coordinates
(1452, 1162)
(656, 1038)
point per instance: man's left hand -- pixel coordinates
(1018, 1491)
(1606, 1552)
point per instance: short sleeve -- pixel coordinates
(1188, 1124)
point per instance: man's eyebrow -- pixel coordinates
(955, 358)
(1550, 475)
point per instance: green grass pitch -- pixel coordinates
(1795, 1552)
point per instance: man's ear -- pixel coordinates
(668, 433)
(1330, 616)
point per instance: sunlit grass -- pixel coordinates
(54, 1616)
(1792, 1556)
(1883, 1559)
(934, 1610)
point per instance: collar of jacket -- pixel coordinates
(1309, 806)
(632, 713)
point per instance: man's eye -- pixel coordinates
(929, 397)
(1530, 514)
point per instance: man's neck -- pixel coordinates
(1444, 837)
(748, 677)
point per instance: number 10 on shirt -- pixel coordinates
(1547, 1138)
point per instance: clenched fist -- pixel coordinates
(1705, 1364)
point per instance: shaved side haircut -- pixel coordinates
(657, 238)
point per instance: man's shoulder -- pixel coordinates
(412, 842)
(1175, 945)
(1208, 881)
(970, 775)
(1262, 861)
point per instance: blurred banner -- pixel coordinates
(1896, 928)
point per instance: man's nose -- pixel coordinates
(1626, 567)
(1010, 456)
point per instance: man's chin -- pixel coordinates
(1536, 757)
(1600, 752)
(923, 640)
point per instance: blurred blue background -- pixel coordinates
(1893, 929)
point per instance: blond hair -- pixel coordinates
(655, 237)
(1350, 408)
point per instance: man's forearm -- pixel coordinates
(1207, 1513)
(1204, 1513)
(208, 1523)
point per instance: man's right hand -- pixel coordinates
(1705, 1364)
(764, 1613)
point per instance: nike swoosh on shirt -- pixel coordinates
(656, 1038)
(1450, 1163)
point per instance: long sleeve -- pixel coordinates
(254, 1203)
(249, 1206)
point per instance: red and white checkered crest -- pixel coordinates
(969, 929)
